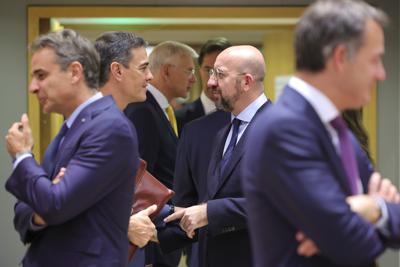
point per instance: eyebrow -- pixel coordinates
(37, 71)
(144, 64)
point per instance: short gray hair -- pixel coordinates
(165, 52)
(329, 23)
(69, 46)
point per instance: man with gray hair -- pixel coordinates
(78, 217)
(172, 66)
(308, 175)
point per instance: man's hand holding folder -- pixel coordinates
(149, 198)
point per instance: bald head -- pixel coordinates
(244, 59)
(238, 77)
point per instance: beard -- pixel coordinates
(228, 103)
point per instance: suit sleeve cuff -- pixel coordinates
(21, 156)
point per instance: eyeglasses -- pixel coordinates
(219, 74)
(189, 71)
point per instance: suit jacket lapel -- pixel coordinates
(49, 158)
(161, 113)
(302, 106)
(213, 175)
(198, 108)
(236, 155)
(68, 146)
(233, 161)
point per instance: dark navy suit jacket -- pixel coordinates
(157, 146)
(157, 140)
(296, 181)
(194, 151)
(87, 212)
(225, 240)
(189, 112)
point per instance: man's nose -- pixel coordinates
(33, 86)
(212, 82)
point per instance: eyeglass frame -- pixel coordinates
(219, 75)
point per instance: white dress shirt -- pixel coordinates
(245, 116)
(161, 100)
(208, 104)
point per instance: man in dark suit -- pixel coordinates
(193, 156)
(172, 66)
(237, 76)
(205, 104)
(201, 140)
(124, 74)
(304, 161)
(80, 217)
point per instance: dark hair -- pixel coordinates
(116, 46)
(329, 23)
(213, 45)
(69, 46)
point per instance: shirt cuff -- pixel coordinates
(383, 223)
(34, 227)
(20, 156)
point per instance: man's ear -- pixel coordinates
(165, 70)
(340, 57)
(247, 80)
(76, 70)
(116, 71)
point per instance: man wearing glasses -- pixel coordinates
(205, 104)
(221, 217)
(196, 138)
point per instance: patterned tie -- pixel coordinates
(51, 151)
(172, 119)
(347, 152)
(229, 150)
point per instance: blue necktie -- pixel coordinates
(347, 153)
(51, 151)
(229, 150)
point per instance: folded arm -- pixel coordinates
(99, 149)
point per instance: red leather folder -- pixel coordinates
(148, 191)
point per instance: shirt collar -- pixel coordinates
(78, 110)
(322, 105)
(248, 113)
(160, 98)
(208, 104)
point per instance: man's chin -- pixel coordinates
(142, 98)
(215, 98)
(45, 110)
